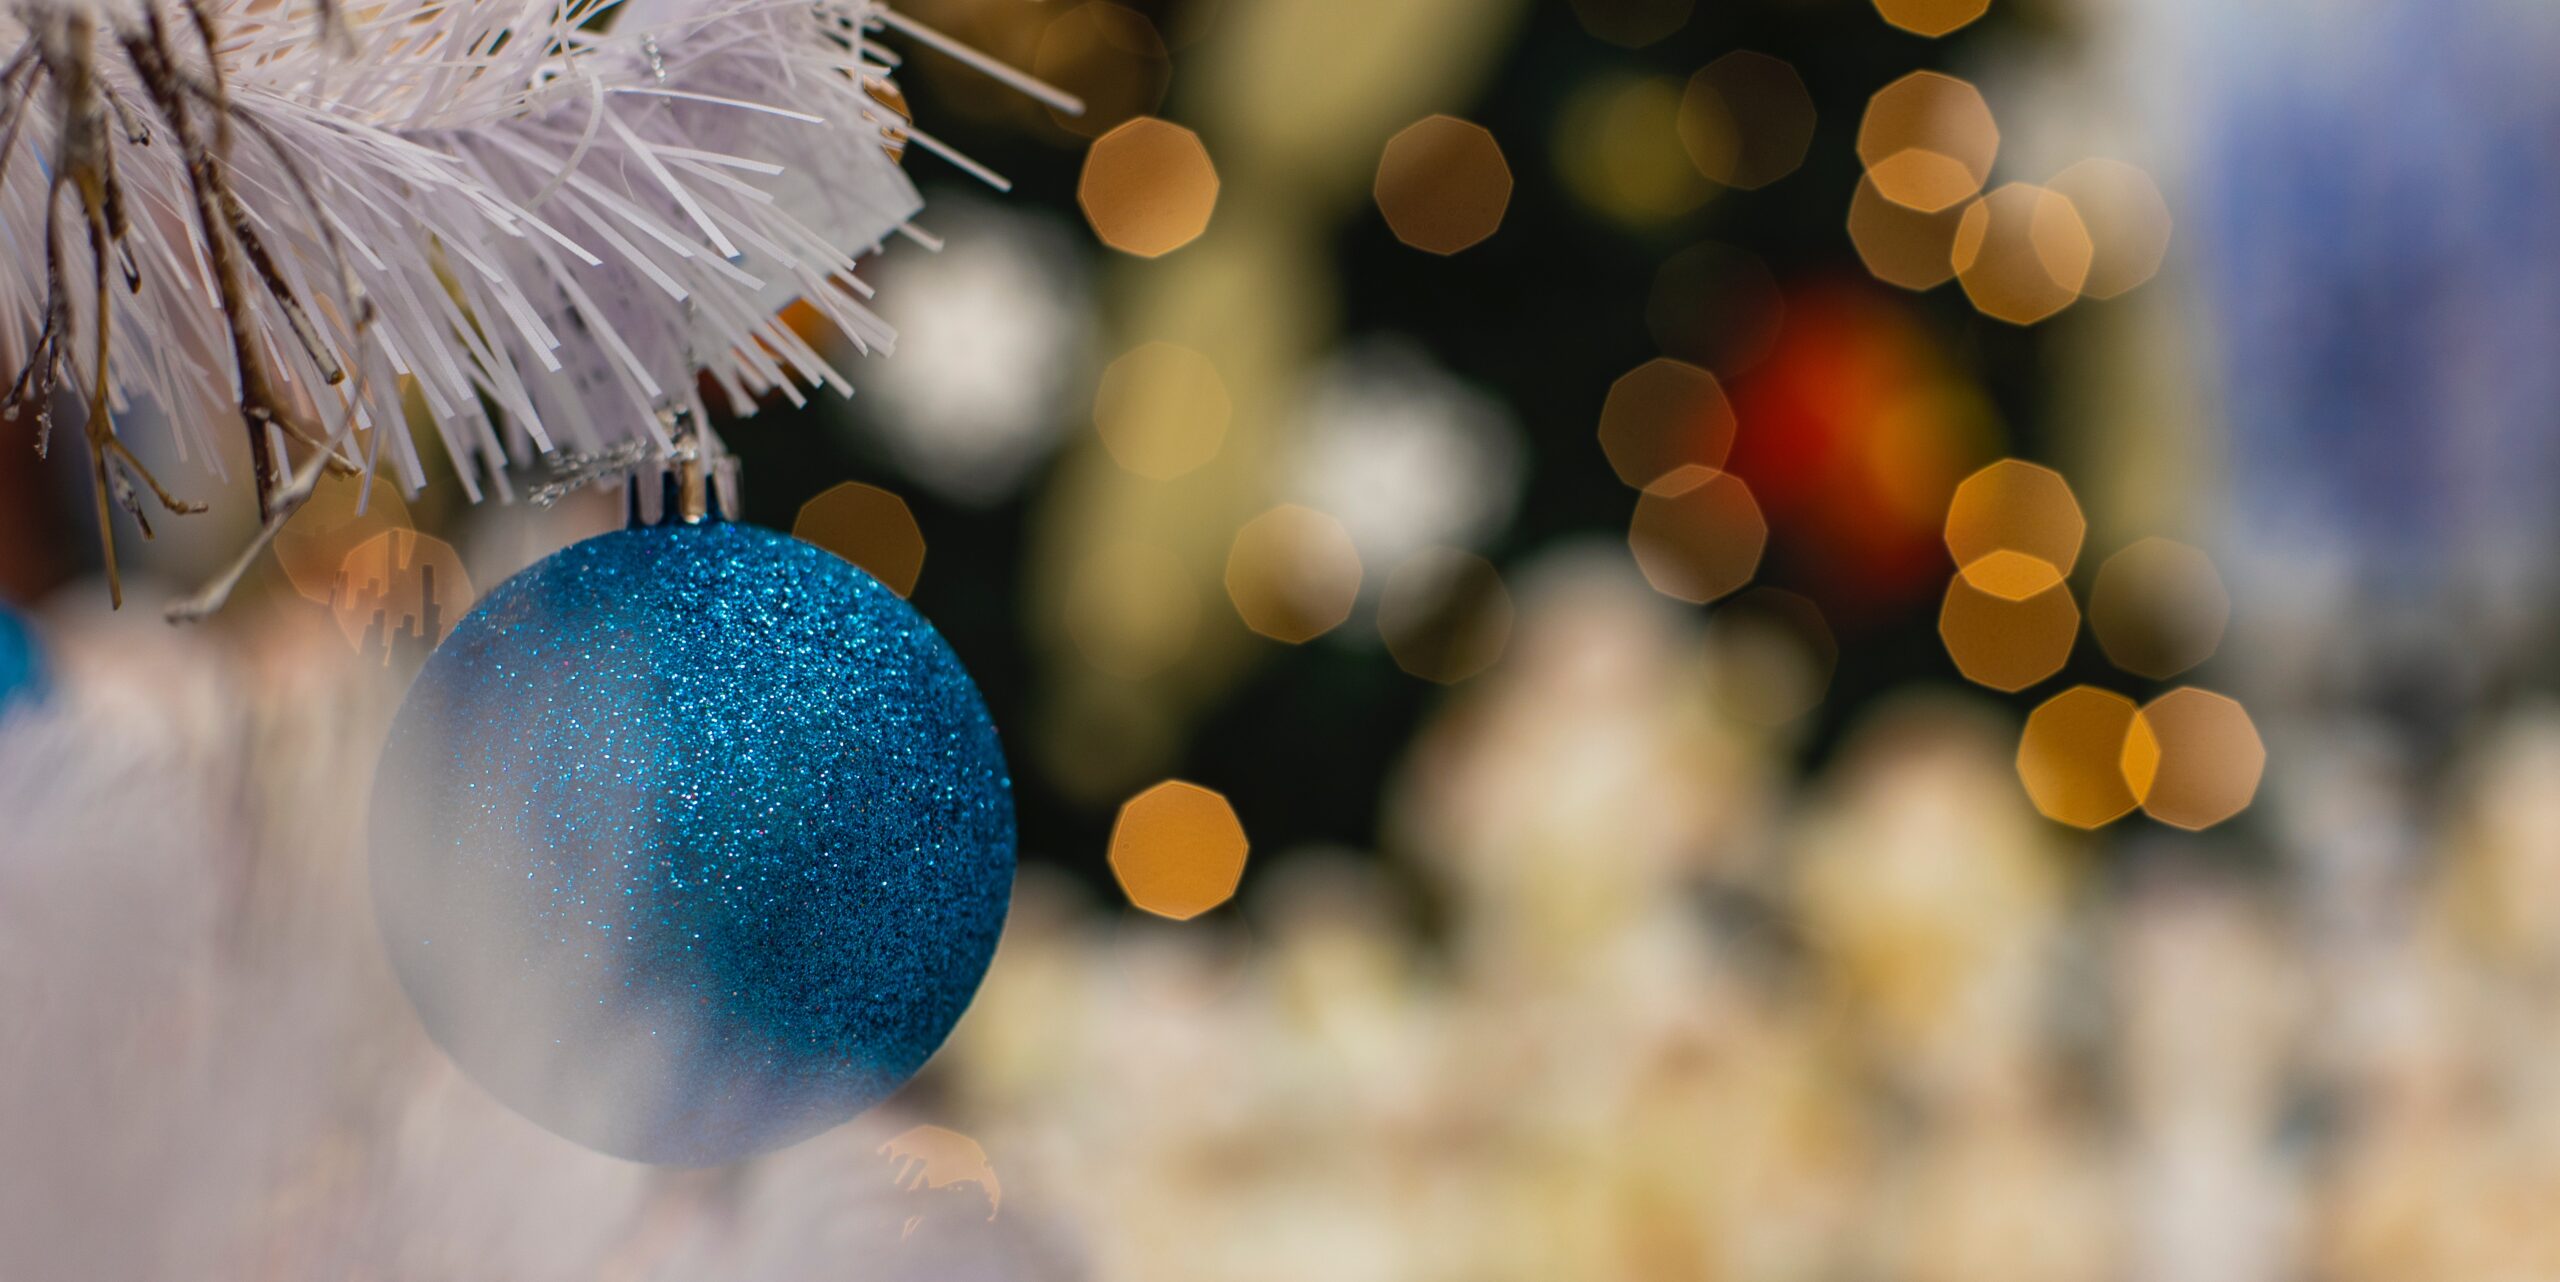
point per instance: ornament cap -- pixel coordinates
(694, 481)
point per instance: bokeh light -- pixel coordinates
(1445, 615)
(1403, 452)
(1715, 306)
(1931, 17)
(1131, 608)
(1771, 656)
(1109, 56)
(2015, 506)
(1746, 120)
(1293, 573)
(1854, 433)
(2072, 756)
(2011, 575)
(868, 526)
(1442, 184)
(2208, 761)
(2158, 607)
(2021, 254)
(995, 339)
(313, 545)
(1697, 534)
(1662, 416)
(1928, 140)
(400, 592)
(1162, 410)
(2004, 644)
(1901, 245)
(1618, 149)
(1148, 187)
(2127, 220)
(1178, 850)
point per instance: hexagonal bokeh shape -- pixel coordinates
(1697, 534)
(2071, 756)
(2015, 506)
(2159, 607)
(1746, 119)
(1931, 17)
(2021, 254)
(1928, 141)
(868, 526)
(1162, 410)
(1443, 184)
(1148, 187)
(1178, 850)
(2208, 761)
(1445, 615)
(1662, 416)
(2127, 219)
(2007, 645)
(1901, 245)
(1293, 573)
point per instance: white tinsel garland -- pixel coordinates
(544, 218)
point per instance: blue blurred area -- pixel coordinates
(2378, 244)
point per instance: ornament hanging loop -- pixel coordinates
(693, 482)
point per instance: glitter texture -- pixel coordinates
(691, 842)
(21, 668)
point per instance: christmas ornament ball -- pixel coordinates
(21, 667)
(691, 841)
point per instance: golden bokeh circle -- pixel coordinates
(1928, 141)
(2209, 759)
(2021, 254)
(1931, 17)
(1746, 119)
(1178, 850)
(1442, 184)
(1901, 245)
(2003, 644)
(1664, 415)
(1697, 534)
(1148, 187)
(868, 526)
(2017, 506)
(1293, 573)
(2127, 219)
(2071, 756)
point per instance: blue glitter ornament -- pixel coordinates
(692, 841)
(21, 667)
